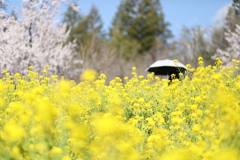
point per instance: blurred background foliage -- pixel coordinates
(139, 36)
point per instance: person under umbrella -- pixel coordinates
(168, 68)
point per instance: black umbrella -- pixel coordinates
(166, 67)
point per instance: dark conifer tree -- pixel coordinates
(141, 21)
(84, 28)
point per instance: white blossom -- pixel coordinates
(35, 40)
(233, 51)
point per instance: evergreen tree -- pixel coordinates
(94, 21)
(141, 21)
(84, 28)
(87, 32)
(91, 27)
(72, 18)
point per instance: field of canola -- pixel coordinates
(137, 118)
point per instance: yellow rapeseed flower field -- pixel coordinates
(135, 118)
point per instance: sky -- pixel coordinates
(178, 13)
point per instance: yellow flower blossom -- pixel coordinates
(142, 117)
(89, 75)
(13, 131)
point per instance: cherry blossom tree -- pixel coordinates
(233, 51)
(34, 39)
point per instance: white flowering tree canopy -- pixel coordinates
(233, 51)
(35, 40)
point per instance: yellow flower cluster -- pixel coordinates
(139, 117)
